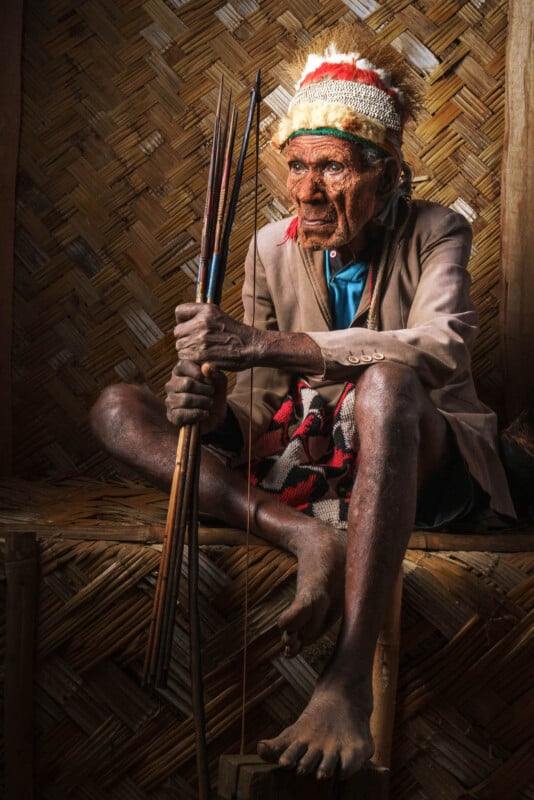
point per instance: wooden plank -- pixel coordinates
(21, 593)
(147, 533)
(10, 111)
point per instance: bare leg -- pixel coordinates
(131, 424)
(403, 440)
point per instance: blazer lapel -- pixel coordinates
(365, 300)
(314, 265)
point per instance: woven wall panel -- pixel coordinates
(118, 108)
(465, 697)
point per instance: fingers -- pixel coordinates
(196, 393)
(302, 622)
(198, 319)
(189, 395)
(205, 333)
(189, 368)
(185, 409)
(295, 617)
(219, 382)
(187, 311)
(292, 644)
(191, 384)
(206, 374)
(195, 322)
(215, 376)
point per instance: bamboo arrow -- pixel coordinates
(182, 514)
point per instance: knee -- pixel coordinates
(389, 393)
(112, 411)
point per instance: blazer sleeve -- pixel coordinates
(441, 322)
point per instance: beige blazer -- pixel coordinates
(425, 320)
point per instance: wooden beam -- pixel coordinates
(517, 219)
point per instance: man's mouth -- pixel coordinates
(315, 222)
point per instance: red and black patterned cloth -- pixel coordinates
(307, 458)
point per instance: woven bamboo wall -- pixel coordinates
(118, 103)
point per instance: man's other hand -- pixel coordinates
(196, 394)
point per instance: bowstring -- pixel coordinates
(249, 452)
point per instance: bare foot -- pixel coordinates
(331, 735)
(320, 584)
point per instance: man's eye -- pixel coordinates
(297, 167)
(334, 167)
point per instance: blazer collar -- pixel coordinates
(314, 264)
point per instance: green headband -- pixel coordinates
(350, 137)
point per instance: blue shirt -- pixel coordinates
(345, 289)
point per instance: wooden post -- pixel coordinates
(517, 219)
(10, 108)
(21, 593)
(385, 674)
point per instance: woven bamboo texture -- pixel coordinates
(119, 97)
(466, 687)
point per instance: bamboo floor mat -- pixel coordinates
(466, 687)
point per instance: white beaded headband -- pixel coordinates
(364, 98)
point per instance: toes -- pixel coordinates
(353, 760)
(271, 749)
(328, 765)
(291, 757)
(309, 762)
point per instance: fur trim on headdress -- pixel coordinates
(310, 116)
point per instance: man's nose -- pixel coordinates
(311, 186)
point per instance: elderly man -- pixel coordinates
(364, 416)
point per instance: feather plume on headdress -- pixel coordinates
(351, 85)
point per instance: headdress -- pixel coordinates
(361, 95)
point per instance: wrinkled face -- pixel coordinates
(334, 192)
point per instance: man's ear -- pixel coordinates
(389, 176)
